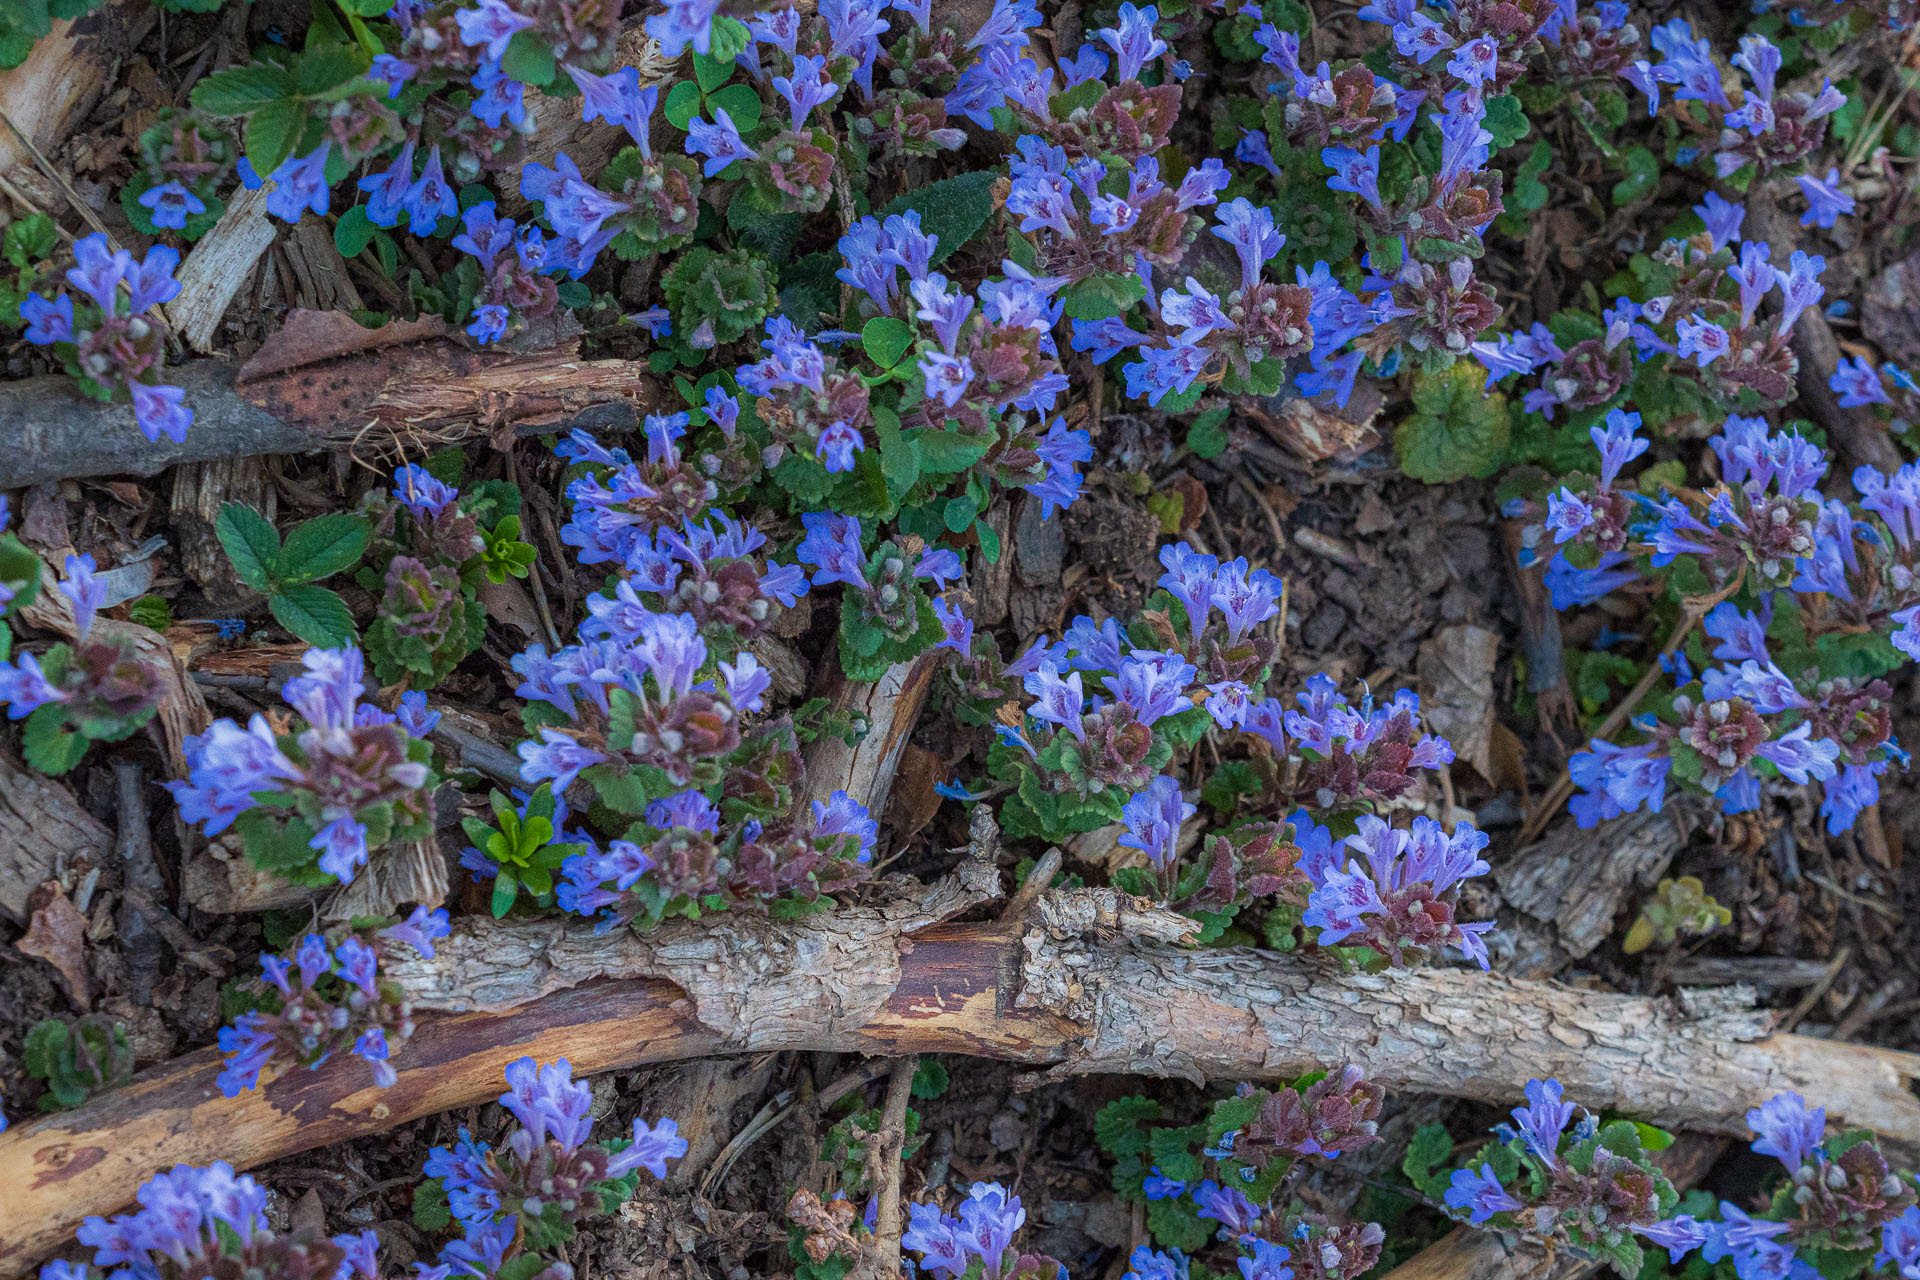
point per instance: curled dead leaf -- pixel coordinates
(57, 934)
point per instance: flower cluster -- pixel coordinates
(97, 689)
(1228, 1178)
(115, 339)
(549, 1175)
(1401, 903)
(325, 997)
(517, 1204)
(313, 804)
(979, 1235)
(1842, 1199)
(1791, 688)
(1590, 1184)
(1772, 129)
(1695, 323)
(195, 1222)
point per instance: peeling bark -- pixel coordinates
(1088, 981)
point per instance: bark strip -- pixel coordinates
(1088, 981)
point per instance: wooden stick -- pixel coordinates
(1090, 981)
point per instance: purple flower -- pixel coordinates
(160, 411)
(1250, 230)
(806, 88)
(652, 1147)
(1245, 597)
(1618, 780)
(1617, 442)
(430, 198)
(832, 545)
(501, 96)
(97, 271)
(1148, 1263)
(419, 492)
(24, 688)
(489, 323)
(300, 185)
(685, 22)
(1800, 283)
(490, 24)
(1543, 1119)
(1480, 1194)
(393, 71)
(1268, 1261)
(1189, 578)
(1723, 219)
(1420, 38)
(170, 204)
(1236, 1214)
(1857, 383)
(1679, 1236)
(48, 322)
(388, 190)
(1058, 699)
(1900, 1241)
(618, 99)
(547, 1101)
(1153, 819)
(1702, 339)
(720, 142)
(556, 757)
(152, 283)
(343, 847)
(420, 930)
(937, 1239)
(1133, 42)
(1354, 171)
(1477, 61)
(85, 590)
(1153, 684)
(956, 627)
(837, 445)
(1825, 200)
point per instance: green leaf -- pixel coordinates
(1506, 121)
(239, 91)
(1456, 429)
(1207, 436)
(946, 453)
(1643, 175)
(960, 512)
(272, 132)
(315, 614)
(529, 60)
(886, 340)
(953, 209)
(711, 72)
(1529, 192)
(505, 889)
(1430, 1147)
(741, 102)
(251, 544)
(317, 71)
(1176, 1224)
(683, 104)
(50, 746)
(354, 232)
(430, 1212)
(727, 39)
(1103, 294)
(322, 547)
(1117, 1126)
(929, 1078)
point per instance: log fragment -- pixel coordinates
(42, 829)
(1085, 983)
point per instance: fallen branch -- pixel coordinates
(421, 393)
(1087, 982)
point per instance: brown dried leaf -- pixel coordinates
(308, 337)
(57, 933)
(1456, 691)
